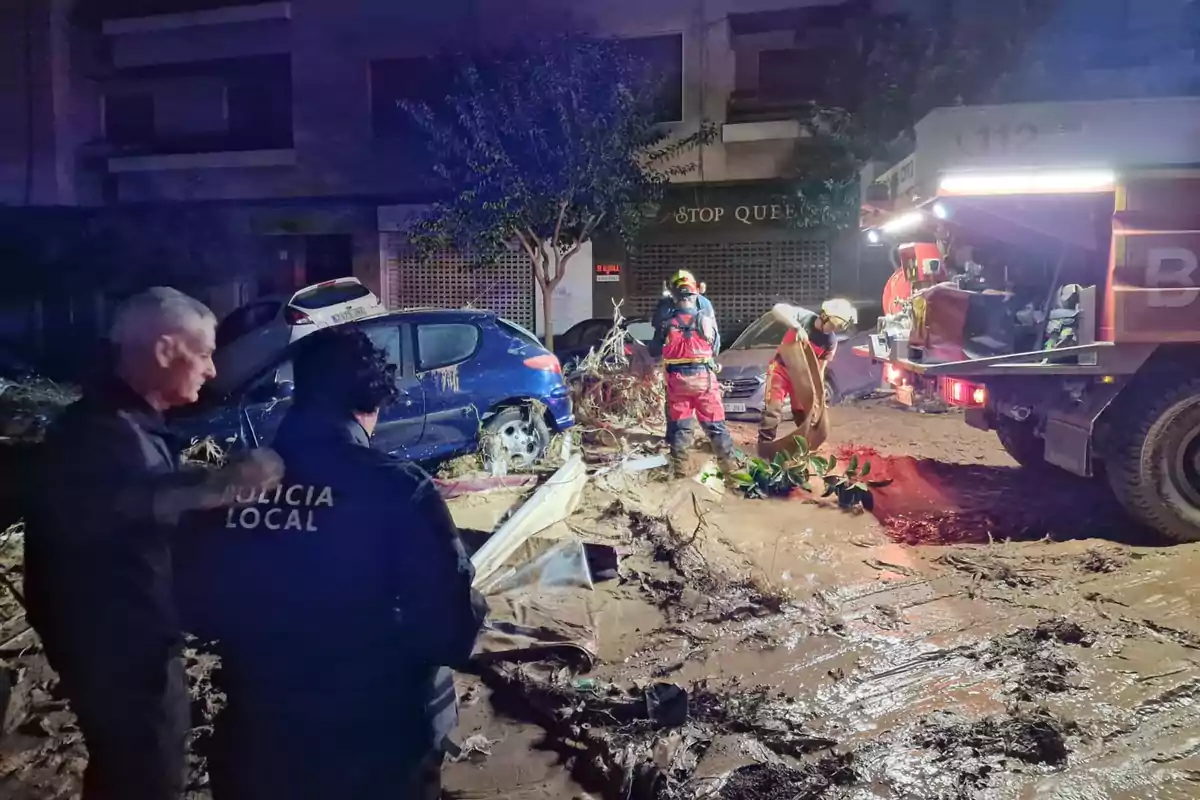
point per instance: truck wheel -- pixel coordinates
(1020, 440)
(1154, 468)
(832, 395)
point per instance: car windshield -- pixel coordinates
(764, 332)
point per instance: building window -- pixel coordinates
(258, 105)
(664, 55)
(129, 118)
(794, 76)
(202, 106)
(395, 81)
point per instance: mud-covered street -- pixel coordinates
(788, 649)
(823, 658)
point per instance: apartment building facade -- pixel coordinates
(248, 146)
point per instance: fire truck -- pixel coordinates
(1047, 280)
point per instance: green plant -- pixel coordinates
(776, 478)
(784, 474)
(850, 487)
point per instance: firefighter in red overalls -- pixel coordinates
(687, 333)
(820, 330)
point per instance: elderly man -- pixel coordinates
(338, 602)
(106, 496)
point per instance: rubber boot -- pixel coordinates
(679, 465)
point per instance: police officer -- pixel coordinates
(107, 494)
(337, 600)
(685, 337)
(820, 330)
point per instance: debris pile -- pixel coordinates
(1044, 667)
(617, 385)
(28, 406)
(645, 741)
(1034, 737)
(780, 782)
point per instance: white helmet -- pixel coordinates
(841, 312)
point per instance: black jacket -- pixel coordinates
(97, 560)
(342, 596)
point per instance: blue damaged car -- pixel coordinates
(461, 374)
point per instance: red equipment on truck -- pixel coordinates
(1064, 310)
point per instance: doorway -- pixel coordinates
(328, 257)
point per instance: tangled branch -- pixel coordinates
(612, 390)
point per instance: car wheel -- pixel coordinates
(833, 395)
(516, 437)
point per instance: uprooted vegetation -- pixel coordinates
(28, 406)
(719, 592)
(612, 389)
(1034, 737)
(644, 742)
(782, 782)
(1044, 668)
(803, 469)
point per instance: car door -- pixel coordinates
(268, 399)
(451, 416)
(401, 424)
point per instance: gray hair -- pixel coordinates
(154, 312)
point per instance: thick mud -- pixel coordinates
(786, 649)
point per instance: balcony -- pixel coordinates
(218, 114)
(198, 33)
(148, 16)
(751, 118)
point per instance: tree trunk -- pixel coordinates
(548, 315)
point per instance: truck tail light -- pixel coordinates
(962, 393)
(547, 363)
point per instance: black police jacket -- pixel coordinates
(346, 589)
(98, 573)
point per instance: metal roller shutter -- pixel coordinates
(447, 280)
(744, 278)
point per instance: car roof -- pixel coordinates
(418, 314)
(288, 296)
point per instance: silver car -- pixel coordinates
(744, 369)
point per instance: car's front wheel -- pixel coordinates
(516, 437)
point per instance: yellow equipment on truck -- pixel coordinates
(1065, 311)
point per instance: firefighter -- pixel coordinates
(687, 334)
(667, 304)
(820, 330)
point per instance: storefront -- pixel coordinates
(447, 279)
(743, 241)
